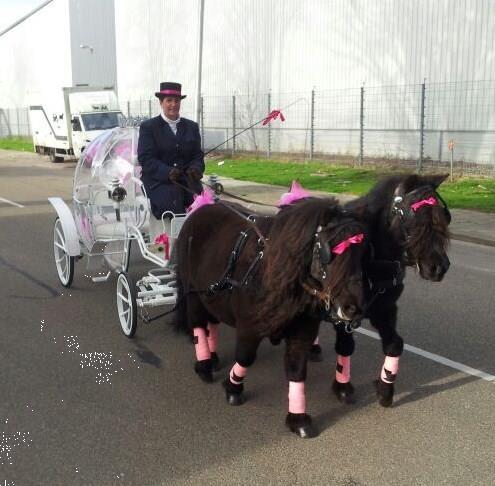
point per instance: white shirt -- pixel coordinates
(171, 123)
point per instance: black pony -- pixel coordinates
(272, 277)
(407, 223)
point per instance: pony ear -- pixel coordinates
(435, 180)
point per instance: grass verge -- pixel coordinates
(465, 193)
(22, 144)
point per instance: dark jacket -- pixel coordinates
(158, 151)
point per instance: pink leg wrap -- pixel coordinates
(297, 398)
(317, 340)
(343, 369)
(390, 369)
(212, 337)
(201, 344)
(237, 374)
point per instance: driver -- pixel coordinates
(169, 151)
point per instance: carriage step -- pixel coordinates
(102, 278)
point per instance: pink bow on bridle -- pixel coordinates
(273, 115)
(431, 201)
(343, 245)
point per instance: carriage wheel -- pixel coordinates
(126, 304)
(63, 262)
(217, 188)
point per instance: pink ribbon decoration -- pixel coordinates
(295, 194)
(164, 240)
(431, 201)
(343, 245)
(273, 115)
(203, 199)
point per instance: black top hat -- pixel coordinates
(170, 89)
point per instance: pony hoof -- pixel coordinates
(344, 392)
(301, 425)
(384, 392)
(234, 393)
(215, 361)
(315, 353)
(235, 399)
(203, 370)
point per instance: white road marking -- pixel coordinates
(437, 358)
(11, 202)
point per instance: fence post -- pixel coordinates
(18, 124)
(28, 122)
(422, 128)
(233, 125)
(202, 121)
(128, 109)
(361, 127)
(269, 151)
(149, 108)
(312, 125)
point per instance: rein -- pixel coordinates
(238, 213)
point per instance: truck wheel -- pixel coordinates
(55, 158)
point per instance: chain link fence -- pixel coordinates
(428, 125)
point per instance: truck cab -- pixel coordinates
(65, 124)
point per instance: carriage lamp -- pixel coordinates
(118, 194)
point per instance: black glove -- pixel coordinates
(194, 174)
(174, 174)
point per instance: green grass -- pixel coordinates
(465, 193)
(23, 144)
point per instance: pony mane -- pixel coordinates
(288, 258)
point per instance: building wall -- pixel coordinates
(92, 24)
(289, 45)
(35, 56)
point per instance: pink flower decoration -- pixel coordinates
(295, 194)
(203, 199)
(164, 240)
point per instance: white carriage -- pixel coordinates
(110, 211)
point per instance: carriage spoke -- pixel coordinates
(58, 245)
(124, 313)
(60, 235)
(123, 298)
(58, 260)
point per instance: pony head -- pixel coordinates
(420, 218)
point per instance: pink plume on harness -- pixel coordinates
(164, 240)
(343, 373)
(390, 369)
(203, 199)
(297, 397)
(343, 245)
(273, 115)
(295, 193)
(201, 344)
(431, 201)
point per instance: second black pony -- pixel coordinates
(407, 223)
(274, 278)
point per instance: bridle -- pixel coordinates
(323, 255)
(405, 212)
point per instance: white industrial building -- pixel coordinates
(287, 48)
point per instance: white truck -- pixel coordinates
(63, 129)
